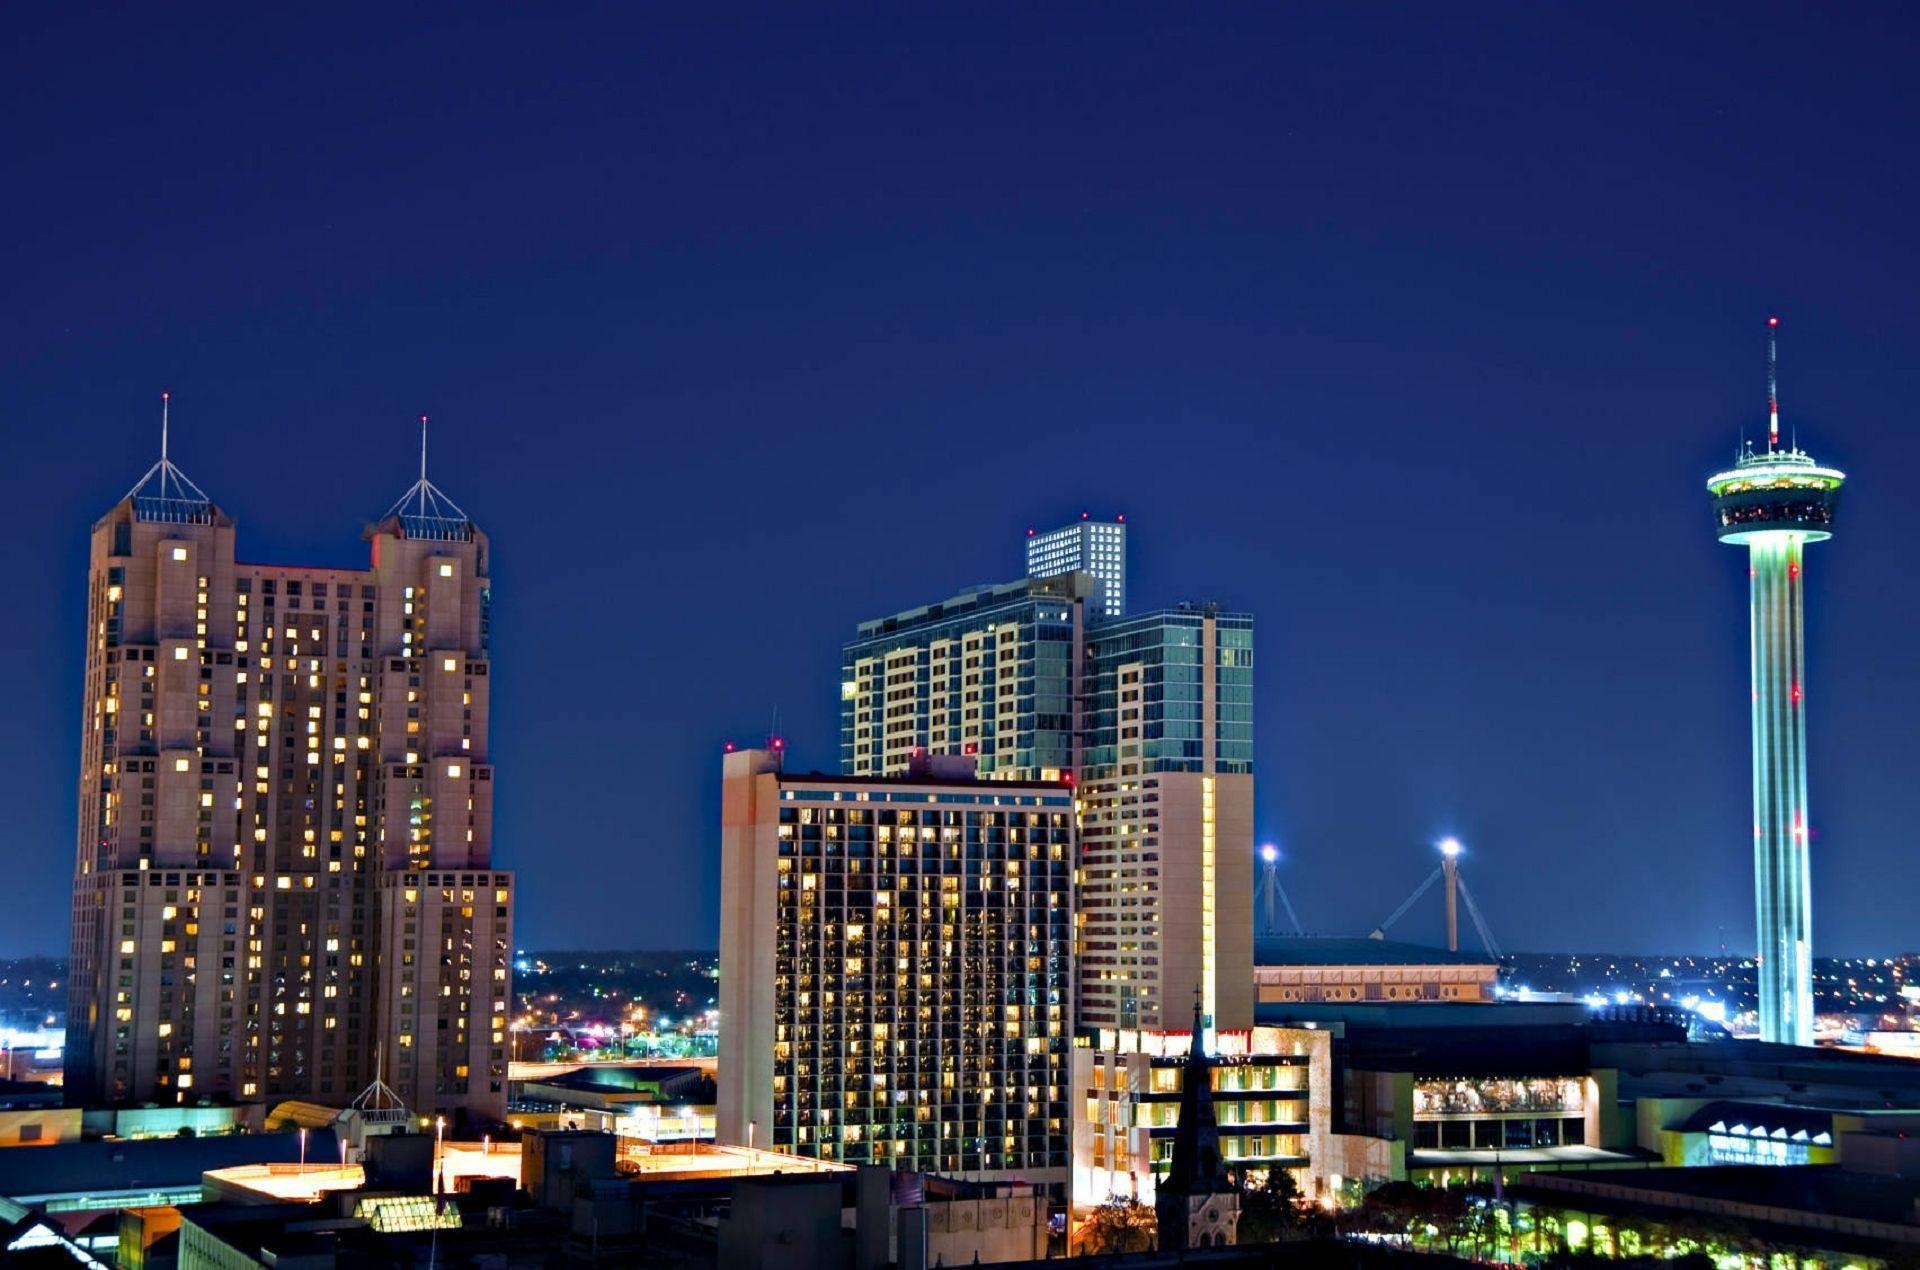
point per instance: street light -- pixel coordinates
(303, 1152)
(439, 1135)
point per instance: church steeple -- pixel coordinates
(1197, 1204)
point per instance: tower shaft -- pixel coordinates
(1783, 909)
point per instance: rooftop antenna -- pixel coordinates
(426, 510)
(165, 493)
(1773, 387)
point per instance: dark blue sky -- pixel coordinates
(1415, 331)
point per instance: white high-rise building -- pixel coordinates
(1091, 546)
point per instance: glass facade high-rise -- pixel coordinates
(1195, 684)
(1098, 547)
(1153, 717)
(990, 673)
(1165, 903)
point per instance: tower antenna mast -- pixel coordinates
(165, 399)
(1773, 387)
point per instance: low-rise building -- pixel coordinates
(1272, 1097)
(1294, 969)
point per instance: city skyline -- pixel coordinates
(1400, 427)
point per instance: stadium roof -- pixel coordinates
(1328, 950)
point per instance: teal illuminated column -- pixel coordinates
(1773, 504)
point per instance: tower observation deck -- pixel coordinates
(1774, 503)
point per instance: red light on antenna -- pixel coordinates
(729, 747)
(1773, 321)
(1083, 515)
(779, 744)
(1121, 519)
(1029, 533)
(165, 395)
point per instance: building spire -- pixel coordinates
(1773, 387)
(166, 493)
(425, 511)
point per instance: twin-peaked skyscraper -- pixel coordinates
(284, 875)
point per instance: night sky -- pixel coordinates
(1414, 331)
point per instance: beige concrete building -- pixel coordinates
(896, 968)
(284, 868)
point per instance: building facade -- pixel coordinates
(1085, 546)
(1307, 969)
(991, 674)
(1272, 1091)
(896, 968)
(1166, 821)
(283, 877)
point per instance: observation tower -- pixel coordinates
(1774, 503)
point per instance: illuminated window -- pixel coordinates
(451, 663)
(180, 764)
(180, 653)
(446, 571)
(179, 553)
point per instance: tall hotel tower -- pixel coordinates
(896, 962)
(284, 878)
(1774, 503)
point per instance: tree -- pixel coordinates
(1269, 1211)
(1119, 1225)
